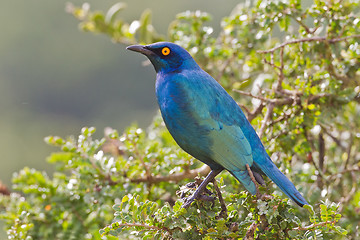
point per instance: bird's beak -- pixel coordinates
(141, 49)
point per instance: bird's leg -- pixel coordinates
(223, 212)
(201, 188)
(258, 195)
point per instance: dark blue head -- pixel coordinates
(166, 56)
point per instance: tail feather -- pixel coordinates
(283, 183)
(245, 179)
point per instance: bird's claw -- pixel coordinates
(189, 200)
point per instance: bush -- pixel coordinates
(295, 72)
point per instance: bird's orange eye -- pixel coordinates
(165, 51)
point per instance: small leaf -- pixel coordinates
(125, 198)
(113, 11)
(310, 209)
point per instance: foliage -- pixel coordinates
(76, 205)
(295, 72)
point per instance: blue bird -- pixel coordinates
(207, 123)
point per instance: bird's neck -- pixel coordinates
(186, 65)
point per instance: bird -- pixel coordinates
(206, 122)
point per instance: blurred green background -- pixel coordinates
(55, 79)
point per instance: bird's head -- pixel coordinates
(165, 56)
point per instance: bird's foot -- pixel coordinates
(202, 188)
(188, 201)
(199, 194)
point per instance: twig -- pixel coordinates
(267, 118)
(349, 195)
(335, 139)
(251, 95)
(335, 175)
(313, 149)
(271, 63)
(141, 158)
(281, 73)
(257, 111)
(321, 145)
(284, 117)
(258, 195)
(307, 29)
(251, 231)
(223, 212)
(312, 39)
(348, 151)
(152, 228)
(294, 99)
(314, 225)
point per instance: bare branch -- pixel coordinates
(176, 177)
(257, 111)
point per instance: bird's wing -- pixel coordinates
(231, 149)
(215, 110)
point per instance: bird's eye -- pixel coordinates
(165, 51)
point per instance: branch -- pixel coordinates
(313, 149)
(338, 174)
(335, 139)
(321, 147)
(223, 212)
(253, 114)
(267, 118)
(349, 195)
(251, 95)
(348, 151)
(251, 231)
(312, 39)
(285, 117)
(152, 228)
(176, 177)
(314, 225)
(307, 29)
(258, 195)
(294, 99)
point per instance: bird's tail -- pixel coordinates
(283, 183)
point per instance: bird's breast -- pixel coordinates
(182, 112)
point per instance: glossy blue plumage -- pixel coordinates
(207, 123)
